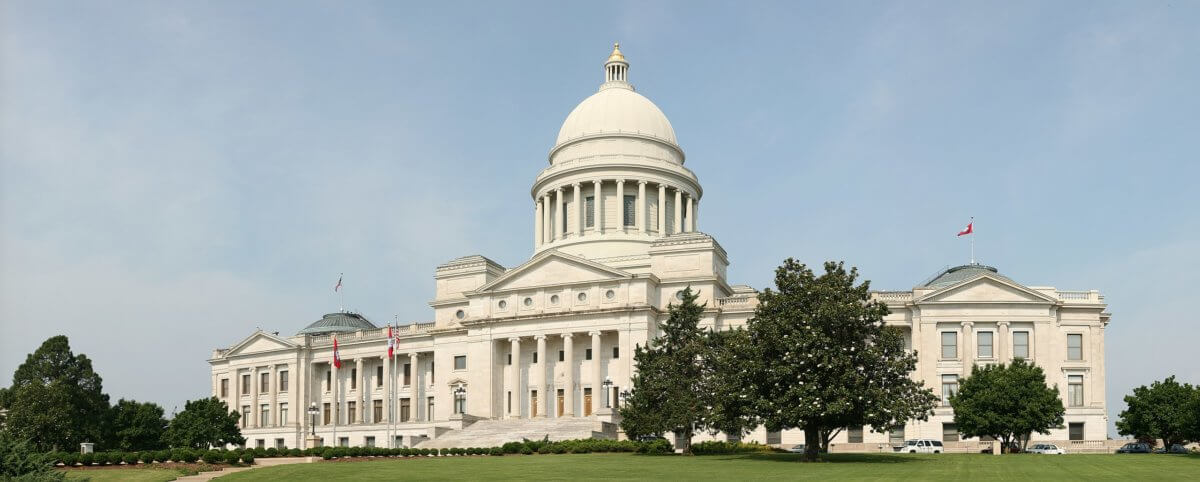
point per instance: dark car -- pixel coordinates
(1134, 448)
(1174, 449)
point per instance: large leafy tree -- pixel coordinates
(725, 387)
(667, 395)
(136, 426)
(1164, 410)
(56, 399)
(1006, 402)
(820, 358)
(204, 423)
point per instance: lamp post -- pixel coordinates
(312, 411)
(460, 397)
(607, 387)
(624, 396)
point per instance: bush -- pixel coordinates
(512, 447)
(105, 458)
(354, 451)
(190, 456)
(728, 448)
(271, 452)
(259, 452)
(525, 450)
(496, 451)
(248, 458)
(162, 455)
(232, 457)
(87, 459)
(131, 458)
(70, 459)
(295, 452)
(656, 447)
(212, 457)
(328, 453)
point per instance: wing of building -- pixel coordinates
(545, 348)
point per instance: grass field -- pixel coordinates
(134, 474)
(967, 467)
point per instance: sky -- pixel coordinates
(175, 175)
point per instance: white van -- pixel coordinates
(922, 446)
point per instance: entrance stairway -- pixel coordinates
(493, 433)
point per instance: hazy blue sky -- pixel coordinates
(176, 174)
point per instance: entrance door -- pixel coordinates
(533, 400)
(560, 402)
(587, 402)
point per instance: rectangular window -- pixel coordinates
(245, 416)
(328, 414)
(535, 357)
(245, 384)
(1020, 344)
(405, 410)
(854, 435)
(377, 411)
(985, 345)
(283, 413)
(379, 376)
(616, 352)
(260, 443)
(774, 438)
(563, 225)
(1075, 391)
(590, 211)
(429, 410)
(264, 382)
(351, 411)
(343, 441)
(224, 388)
(264, 415)
(949, 432)
(587, 355)
(949, 345)
(949, 387)
(407, 374)
(279, 444)
(353, 378)
(370, 441)
(508, 402)
(1075, 431)
(629, 211)
(431, 372)
(328, 379)
(561, 355)
(283, 381)
(460, 362)
(1075, 347)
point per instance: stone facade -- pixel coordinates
(616, 239)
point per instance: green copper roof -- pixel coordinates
(338, 323)
(962, 273)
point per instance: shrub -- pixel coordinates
(727, 448)
(512, 447)
(162, 455)
(248, 458)
(525, 450)
(354, 451)
(656, 447)
(328, 453)
(232, 457)
(70, 459)
(212, 457)
(87, 459)
(131, 458)
(190, 456)
(271, 452)
(496, 451)
(295, 452)
(259, 452)
(105, 458)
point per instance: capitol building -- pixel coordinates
(546, 348)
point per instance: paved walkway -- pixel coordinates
(263, 462)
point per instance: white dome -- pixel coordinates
(616, 109)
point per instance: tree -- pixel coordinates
(56, 399)
(1006, 402)
(724, 386)
(136, 426)
(1161, 411)
(204, 423)
(20, 461)
(820, 358)
(666, 394)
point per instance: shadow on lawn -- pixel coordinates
(835, 458)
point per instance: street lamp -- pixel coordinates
(312, 411)
(460, 398)
(607, 387)
(624, 396)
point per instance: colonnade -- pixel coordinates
(543, 381)
(550, 225)
(257, 418)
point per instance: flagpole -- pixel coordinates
(972, 239)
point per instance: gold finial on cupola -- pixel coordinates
(616, 53)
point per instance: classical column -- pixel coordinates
(558, 214)
(514, 384)
(662, 209)
(597, 380)
(621, 205)
(537, 223)
(568, 375)
(696, 216)
(678, 221)
(578, 211)
(690, 226)
(597, 207)
(360, 398)
(254, 388)
(418, 404)
(387, 390)
(641, 207)
(542, 380)
(274, 421)
(546, 218)
(1001, 342)
(237, 393)
(968, 347)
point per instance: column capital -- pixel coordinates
(968, 324)
(577, 184)
(567, 335)
(515, 339)
(597, 181)
(1002, 323)
(620, 181)
(539, 337)
(643, 182)
(593, 333)
(558, 190)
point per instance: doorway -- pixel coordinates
(587, 402)
(560, 402)
(533, 400)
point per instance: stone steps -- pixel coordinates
(493, 433)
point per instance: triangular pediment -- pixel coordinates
(551, 268)
(259, 342)
(986, 289)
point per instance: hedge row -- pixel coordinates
(730, 448)
(152, 456)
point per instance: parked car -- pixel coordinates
(1175, 449)
(922, 446)
(1046, 449)
(1134, 448)
(797, 449)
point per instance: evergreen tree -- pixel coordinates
(1006, 402)
(21, 462)
(56, 399)
(667, 393)
(1164, 410)
(724, 385)
(204, 423)
(820, 358)
(136, 426)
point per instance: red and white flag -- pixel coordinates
(391, 342)
(337, 357)
(969, 229)
(338, 286)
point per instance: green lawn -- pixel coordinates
(133, 474)
(969, 467)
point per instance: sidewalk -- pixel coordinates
(263, 462)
